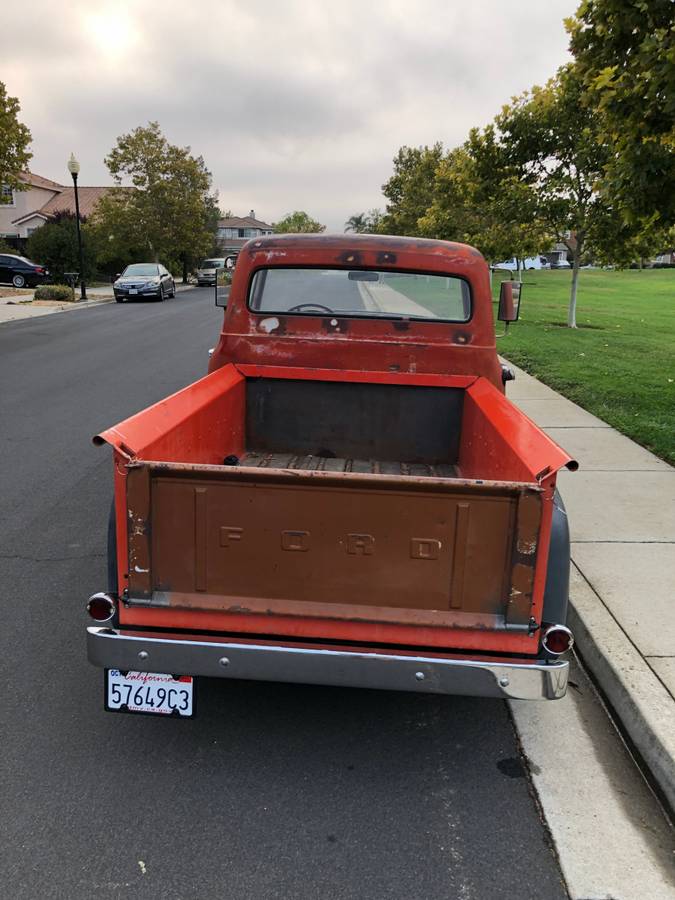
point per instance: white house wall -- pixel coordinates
(24, 202)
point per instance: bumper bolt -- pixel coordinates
(223, 661)
(143, 655)
(504, 681)
(420, 676)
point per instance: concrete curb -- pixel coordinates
(71, 307)
(636, 694)
(619, 597)
(53, 311)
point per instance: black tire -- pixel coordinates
(161, 297)
(18, 281)
(173, 289)
(119, 300)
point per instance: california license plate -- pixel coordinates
(133, 290)
(148, 692)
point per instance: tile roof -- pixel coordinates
(242, 222)
(65, 202)
(39, 182)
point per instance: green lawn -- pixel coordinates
(620, 363)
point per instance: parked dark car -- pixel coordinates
(144, 280)
(21, 272)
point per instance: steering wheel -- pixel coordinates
(300, 306)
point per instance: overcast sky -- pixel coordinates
(294, 104)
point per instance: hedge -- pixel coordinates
(54, 292)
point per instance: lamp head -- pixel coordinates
(73, 165)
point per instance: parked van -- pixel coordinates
(530, 262)
(206, 273)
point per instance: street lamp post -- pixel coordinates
(74, 169)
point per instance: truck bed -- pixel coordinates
(319, 503)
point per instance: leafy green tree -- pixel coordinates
(552, 140)
(15, 139)
(169, 213)
(298, 222)
(6, 247)
(357, 223)
(410, 190)
(626, 62)
(55, 245)
(365, 223)
(480, 199)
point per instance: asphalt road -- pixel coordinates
(272, 791)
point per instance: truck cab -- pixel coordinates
(347, 497)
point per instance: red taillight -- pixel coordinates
(39, 270)
(101, 607)
(557, 639)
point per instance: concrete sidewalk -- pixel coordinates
(621, 507)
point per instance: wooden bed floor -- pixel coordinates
(312, 463)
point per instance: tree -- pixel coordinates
(365, 223)
(624, 60)
(551, 139)
(410, 189)
(480, 199)
(14, 141)
(357, 223)
(169, 213)
(6, 247)
(298, 222)
(55, 246)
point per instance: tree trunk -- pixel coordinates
(185, 270)
(572, 312)
(520, 271)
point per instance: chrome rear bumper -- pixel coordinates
(155, 652)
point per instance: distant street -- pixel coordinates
(272, 791)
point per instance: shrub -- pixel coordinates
(54, 292)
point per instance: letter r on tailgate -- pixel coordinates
(360, 544)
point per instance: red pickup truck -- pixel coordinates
(347, 498)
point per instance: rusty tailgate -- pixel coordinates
(422, 551)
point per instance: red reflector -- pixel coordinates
(101, 607)
(558, 639)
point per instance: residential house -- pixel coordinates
(667, 258)
(234, 231)
(22, 212)
(561, 252)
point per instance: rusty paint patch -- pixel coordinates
(385, 257)
(401, 324)
(350, 258)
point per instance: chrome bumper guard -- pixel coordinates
(152, 652)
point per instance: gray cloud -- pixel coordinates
(292, 103)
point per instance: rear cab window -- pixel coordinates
(360, 293)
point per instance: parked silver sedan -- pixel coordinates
(144, 280)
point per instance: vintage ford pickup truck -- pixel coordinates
(347, 498)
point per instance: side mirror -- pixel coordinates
(119, 275)
(222, 282)
(509, 301)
